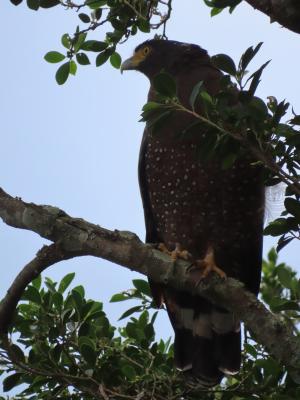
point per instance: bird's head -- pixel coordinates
(153, 56)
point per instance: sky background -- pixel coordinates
(76, 146)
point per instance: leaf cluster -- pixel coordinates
(63, 346)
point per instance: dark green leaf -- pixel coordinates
(143, 25)
(98, 13)
(65, 282)
(88, 354)
(285, 305)
(32, 294)
(115, 60)
(249, 55)
(82, 59)
(49, 3)
(54, 57)
(62, 73)
(195, 92)
(130, 311)
(165, 84)
(94, 45)
(11, 381)
(277, 227)
(128, 371)
(282, 242)
(103, 57)
(84, 18)
(33, 4)
(224, 63)
(295, 120)
(293, 207)
(94, 4)
(16, 2)
(215, 11)
(17, 352)
(142, 286)
(256, 78)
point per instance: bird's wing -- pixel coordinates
(151, 229)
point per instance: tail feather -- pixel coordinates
(207, 338)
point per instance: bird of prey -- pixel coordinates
(215, 214)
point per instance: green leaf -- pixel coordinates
(128, 371)
(32, 294)
(33, 4)
(37, 282)
(224, 63)
(94, 4)
(277, 227)
(284, 305)
(248, 56)
(17, 352)
(293, 207)
(94, 45)
(82, 59)
(282, 242)
(11, 381)
(256, 78)
(130, 311)
(295, 120)
(79, 41)
(49, 3)
(16, 2)
(142, 286)
(284, 276)
(54, 57)
(195, 93)
(98, 13)
(143, 25)
(65, 282)
(165, 84)
(215, 11)
(84, 18)
(88, 354)
(115, 60)
(119, 297)
(103, 57)
(62, 73)
(66, 41)
(73, 67)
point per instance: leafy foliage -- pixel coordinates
(122, 20)
(65, 346)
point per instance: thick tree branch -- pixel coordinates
(285, 12)
(77, 237)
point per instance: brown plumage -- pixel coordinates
(202, 207)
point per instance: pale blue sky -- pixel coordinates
(76, 146)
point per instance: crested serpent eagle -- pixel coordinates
(215, 214)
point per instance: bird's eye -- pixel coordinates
(146, 50)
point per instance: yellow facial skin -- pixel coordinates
(134, 61)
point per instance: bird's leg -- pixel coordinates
(207, 265)
(178, 252)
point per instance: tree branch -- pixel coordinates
(285, 12)
(74, 237)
